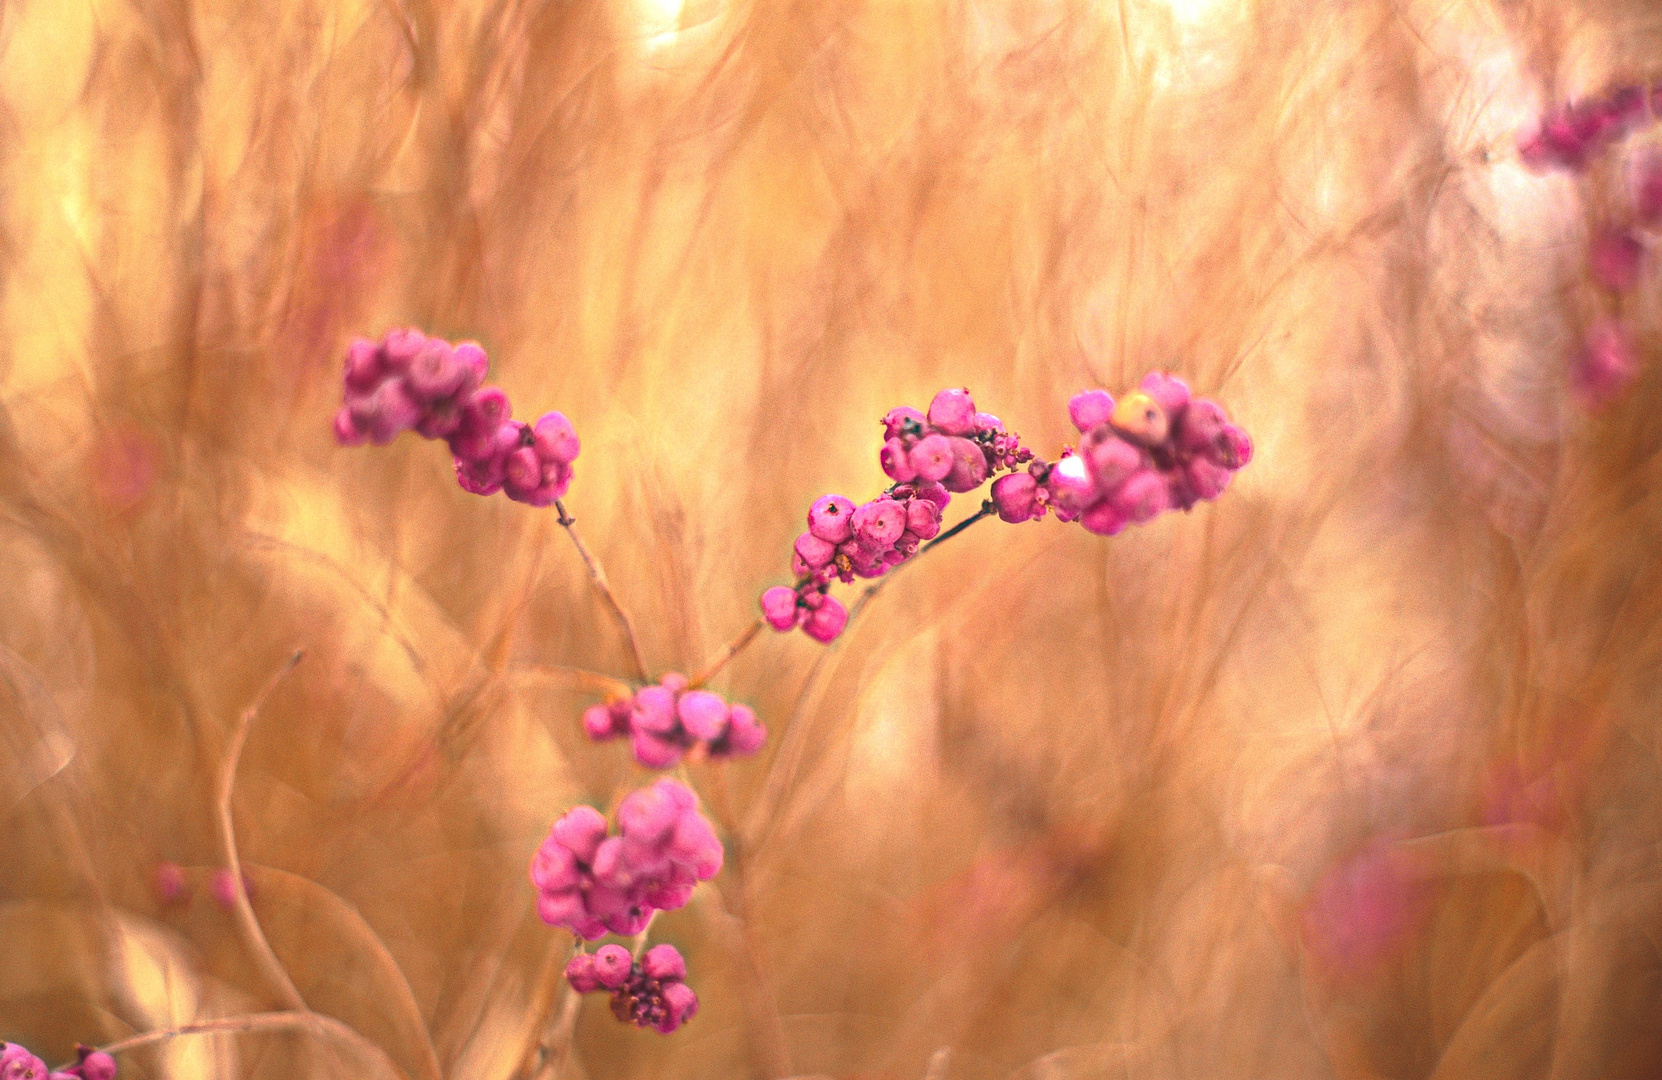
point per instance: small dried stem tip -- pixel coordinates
(598, 576)
(730, 650)
(253, 936)
(273, 1021)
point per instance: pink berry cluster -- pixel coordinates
(1157, 449)
(411, 382)
(592, 883)
(665, 721)
(648, 993)
(951, 449)
(1571, 135)
(16, 1063)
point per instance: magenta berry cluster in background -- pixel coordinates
(411, 382)
(648, 993)
(16, 1063)
(593, 883)
(1569, 136)
(1573, 137)
(665, 721)
(1156, 449)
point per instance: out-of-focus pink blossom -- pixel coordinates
(1606, 365)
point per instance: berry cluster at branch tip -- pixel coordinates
(1155, 450)
(665, 721)
(649, 992)
(16, 1063)
(411, 382)
(592, 883)
(929, 456)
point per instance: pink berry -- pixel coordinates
(1109, 458)
(654, 710)
(825, 622)
(931, 458)
(1168, 391)
(16, 1063)
(969, 466)
(611, 966)
(597, 721)
(1090, 409)
(1200, 428)
(555, 438)
(813, 551)
(1015, 496)
(94, 1064)
(580, 831)
(169, 882)
(744, 735)
(653, 750)
(952, 413)
(682, 1005)
(831, 518)
(1143, 497)
(223, 885)
(1605, 366)
(896, 462)
(902, 422)
(779, 607)
(986, 421)
(664, 963)
(581, 975)
(554, 868)
(1071, 488)
(400, 347)
(472, 357)
(703, 714)
(434, 372)
(363, 365)
(935, 493)
(879, 523)
(521, 473)
(1615, 258)
(1103, 518)
(1234, 448)
(923, 519)
(1206, 479)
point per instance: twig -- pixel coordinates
(730, 650)
(785, 763)
(253, 936)
(272, 1021)
(569, 524)
(570, 678)
(555, 1047)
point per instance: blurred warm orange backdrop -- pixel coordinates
(1352, 774)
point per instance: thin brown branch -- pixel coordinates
(782, 772)
(598, 576)
(252, 935)
(728, 651)
(317, 1023)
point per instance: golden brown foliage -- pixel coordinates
(1352, 774)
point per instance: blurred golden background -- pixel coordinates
(1353, 774)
